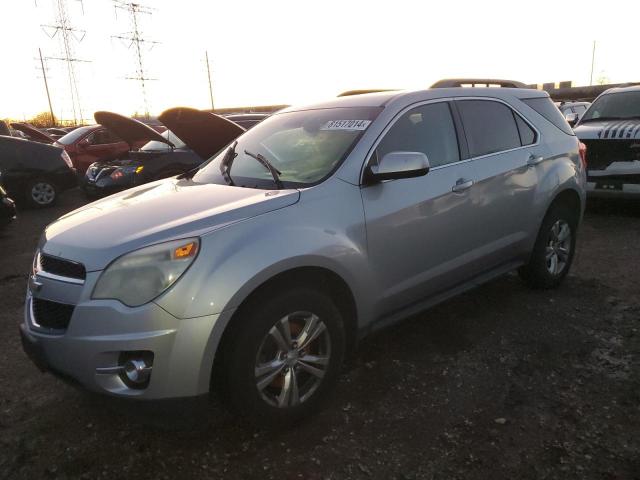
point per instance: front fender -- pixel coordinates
(325, 229)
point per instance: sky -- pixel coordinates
(266, 52)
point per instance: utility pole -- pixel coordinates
(206, 56)
(593, 59)
(46, 87)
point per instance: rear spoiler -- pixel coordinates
(477, 82)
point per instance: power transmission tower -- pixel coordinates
(136, 41)
(68, 35)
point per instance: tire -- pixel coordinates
(550, 261)
(41, 193)
(289, 385)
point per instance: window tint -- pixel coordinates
(527, 135)
(489, 126)
(428, 129)
(545, 107)
(102, 137)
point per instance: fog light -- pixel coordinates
(137, 371)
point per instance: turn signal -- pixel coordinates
(185, 251)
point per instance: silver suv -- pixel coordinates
(255, 275)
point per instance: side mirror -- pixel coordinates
(395, 165)
(572, 118)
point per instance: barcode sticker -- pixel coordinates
(346, 125)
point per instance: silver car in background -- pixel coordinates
(254, 275)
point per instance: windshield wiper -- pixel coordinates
(275, 173)
(227, 161)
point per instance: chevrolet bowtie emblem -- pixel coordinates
(34, 284)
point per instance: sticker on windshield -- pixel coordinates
(346, 125)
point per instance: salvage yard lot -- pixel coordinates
(502, 382)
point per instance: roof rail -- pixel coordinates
(349, 93)
(477, 82)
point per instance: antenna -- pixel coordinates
(206, 56)
(68, 36)
(135, 40)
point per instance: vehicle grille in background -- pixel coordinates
(50, 314)
(64, 268)
(602, 153)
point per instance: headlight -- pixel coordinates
(140, 276)
(123, 171)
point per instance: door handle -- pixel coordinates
(462, 185)
(533, 160)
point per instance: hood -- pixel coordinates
(203, 132)
(130, 130)
(33, 133)
(164, 210)
(609, 130)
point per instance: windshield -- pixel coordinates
(615, 106)
(74, 135)
(156, 145)
(305, 147)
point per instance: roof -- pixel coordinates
(380, 99)
(633, 88)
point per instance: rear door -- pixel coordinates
(100, 145)
(506, 153)
(419, 230)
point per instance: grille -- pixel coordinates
(64, 268)
(50, 314)
(602, 153)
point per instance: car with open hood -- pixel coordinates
(610, 129)
(34, 172)
(164, 155)
(33, 133)
(256, 273)
(91, 143)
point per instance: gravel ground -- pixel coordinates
(502, 382)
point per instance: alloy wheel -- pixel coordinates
(558, 247)
(292, 359)
(43, 193)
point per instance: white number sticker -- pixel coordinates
(346, 125)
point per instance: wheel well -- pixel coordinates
(570, 199)
(316, 277)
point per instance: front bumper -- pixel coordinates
(99, 331)
(7, 210)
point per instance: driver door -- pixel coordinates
(420, 231)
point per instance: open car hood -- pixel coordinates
(205, 133)
(130, 130)
(33, 133)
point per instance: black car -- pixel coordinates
(164, 155)
(34, 172)
(7, 208)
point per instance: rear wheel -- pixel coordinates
(41, 193)
(553, 251)
(285, 358)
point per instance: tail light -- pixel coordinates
(582, 150)
(66, 158)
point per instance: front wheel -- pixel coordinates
(285, 357)
(553, 251)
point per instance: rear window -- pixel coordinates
(545, 107)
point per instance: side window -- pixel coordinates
(527, 135)
(579, 109)
(489, 126)
(102, 137)
(428, 129)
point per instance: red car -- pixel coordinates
(89, 144)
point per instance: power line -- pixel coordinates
(68, 35)
(137, 42)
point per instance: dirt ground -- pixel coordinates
(502, 382)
